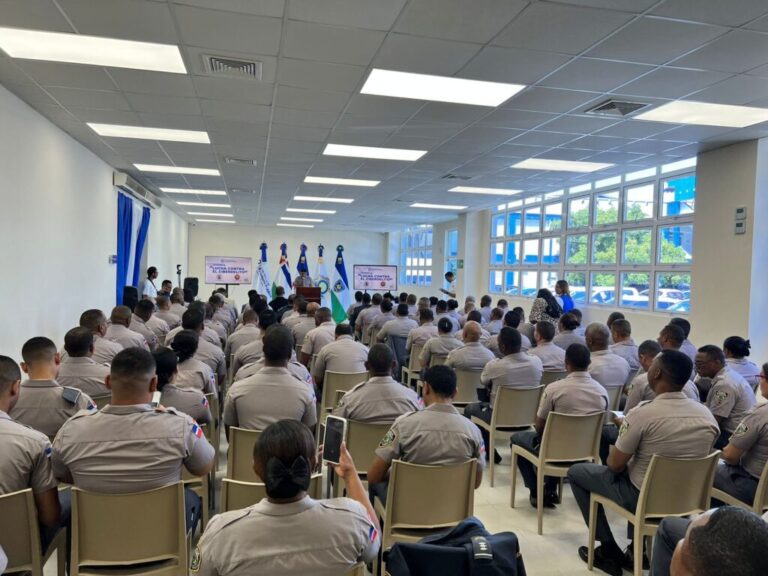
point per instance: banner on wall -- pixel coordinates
(322, 280)
(228, 270)
(283, 275)
(368, 277)
(341, 297)
(261, 278)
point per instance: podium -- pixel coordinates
(309, 294)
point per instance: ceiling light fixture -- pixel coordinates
(491, 191)
(194, 191)
(204, 205)
(560, 165)
(373, 152)
(706, 114)
(289, 218)
(144, 133)
(438, 88)
(438, 206)
(341, 181)
(93, 50)
(295, 225)
(310, 211)
(177, 170)
(215, 221)
(323, 199)
(211, 214)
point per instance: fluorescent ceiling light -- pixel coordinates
(211, 214)
(561, 165)
(323, 199)
(143, 133)
(492, 191)
(295, 225)
(438, 88)
(438, 206)
(177, 170)
(94, 50)
(300, 219)
(204, 204)
(310, 211)
(705, 114)
(194, 191)
(341, 181)
(215, 221)
(373, 152)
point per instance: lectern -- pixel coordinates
(310, 294)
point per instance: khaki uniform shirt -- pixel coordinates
(670, 425)
(317, 537)
(294, 367)
(84, 374)
(158, 326)
(472, 357)
(213, 356)
(751, 436)
(568, 337)
(454, 322)
(551, 355)
(365, 320)
(435, 436)
(341, 355)
(104, 350)
(125, 337)
(188, 401)
(639, 391)
(140, 327)
(270, 395)
(247, 354)
(319, 337)
(125, 449)
(419, 336)
(379, 321)
(494, 327)
(42, 405)
(169, 317)
(290, 318)
(628, 351)
(208, 335)
(578, 393)
(25, 458)
(514, 371)
(240, 338)
(730, 397)
(224, 317)
(609, 369)
(195, 375)
(178, 309)
(302, 328)
(439, 346)
(492, 343)
(400, 326)
(219, 329)
(380, 400)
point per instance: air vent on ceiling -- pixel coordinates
(455, 177)
(232, 67)
(242, 191)
(616, 108)
(239, 161)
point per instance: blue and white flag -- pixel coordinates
(261, 278)
(340, 294)
(322, 280)
(283, 275)
(302, 264)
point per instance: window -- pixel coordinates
(416, 256)
(452, 250)
(625, 241)
(495, 284)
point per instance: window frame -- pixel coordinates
(417, 244)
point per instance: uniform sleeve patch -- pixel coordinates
(373, 534)
(197, 431)
(196, 559)
(741, 430)
(388, 440)
(720, 396)
(624, 428)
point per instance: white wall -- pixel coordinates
(224, 240)
(168, 234)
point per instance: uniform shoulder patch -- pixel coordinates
(742, 429)
(197, 557)
(388, 440)
(721, 396)
(624, 428)
(71, 395)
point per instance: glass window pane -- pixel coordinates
(638, 204)
(636, 246)
(494, 285)
(533, 220)
(497, 253)
(511, 282)
(606, 208)
(529, 284)
(514, 223)
(550, 250)
(577, 281)
(428, 277)
(578, 212)
(531, 252)
(453, 242)
(513, 253)
(675, 244)
(428, 258)
(678, 196)
(548, 280)
(553, 217)
(604, 248)
(634, 289)
(673, 292)
(497, 226)
(576, 249)
(428, 237)
(603, 288)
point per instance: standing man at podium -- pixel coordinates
(303, 280)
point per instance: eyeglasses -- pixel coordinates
(762, 376)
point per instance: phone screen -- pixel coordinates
(617, 413)
(335, 429)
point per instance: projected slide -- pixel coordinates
(366, 277)
(227, 270)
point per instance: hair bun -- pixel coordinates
(747, 344)
(287, 481)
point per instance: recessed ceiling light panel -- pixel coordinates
(194, 191)
(290, 219)
(341, 181)
(215, 221)
(295, 225)
(143, 133)
(204, 204)
(560, 165)
(706, 114)
(211, 214)
(438, 206)
(177, 170)
(324, 199)
(373, 152)
(309, 211)
(490, 191)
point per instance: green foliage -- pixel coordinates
(604, 248)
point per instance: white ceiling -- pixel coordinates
(316, 55)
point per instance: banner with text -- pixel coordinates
(228, 270)
(366, 277)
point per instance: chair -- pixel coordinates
(672, 487)
(362, 441)
(339, 395)
(631, 376)
(333, 381)
(236, 494)
(547, 377)
(141, 533)
(614, 398)
(437, 359)
(467, 383)
(230, 369)
(514, 409)
(200, 485)
(758, 505)
(101, 401)
(567, 439)
(397, 345)
(414, 367)
(20, 536)
(240, 454)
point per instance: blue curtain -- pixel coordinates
(141, 240)
(124, 228)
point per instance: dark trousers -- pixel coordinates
(607, 439)
(530, 441)
(483, 411)
(722, 440)
(379, 490)
(671, 531)
(193, 508)
(586, 478)
(736, 481)
(48, 534)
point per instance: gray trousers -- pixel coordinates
(671, 531)
(736, 481)
(586, 478)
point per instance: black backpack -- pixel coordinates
(466, 550)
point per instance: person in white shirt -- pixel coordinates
(624, 346)
(495, 324)
(150, 290)
(552, 356)
(450, 278)
(485, 308)
(441, 311)
(426, 330)
(687, 347)
(736, 350)
(320, 336)
(473, 356)
(607, 368)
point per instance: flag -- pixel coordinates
(302, 265)
(321, 279)
(283, 275)
(261, 278)
(340, 295)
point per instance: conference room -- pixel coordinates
(223, 217)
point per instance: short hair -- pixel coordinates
(278, 344)
(380, 358)
(511, 340)
(622, 327)
(162, 301)
(649, 348)
(502, 303)
(737, 346)
(546, 330)
(376, 299)
(166, 363)
(485, 301)
(598, 334)
(411, 300)
(267, 318)
(578, 356)
(577, 313)
(92, 319)
(323, 314)
(713, 353)
(283, 444)
(366, 298)
(151, 270)
(78, 342)
(185, 344)
(144, 308)
(568, 321)
(164, 282)
(403, 296)
(497, 314)
(9, 373)
(426, 315)
(674, 334)
(433, 300)
(358, 296)
(280, 291)
(441, 306)
(177, 297)
(38, 349)
(252, 293)
(343, 330)
(133, 366)
(676, 367)
(249, 315)
(444, 325)
(449, 273)
(682, 323)
(120, 314)
(312, 308)
(612, 317)
(442, 380)
(402, 309)
(208, 310)
(192, 320)
(386, 306)
(512, 319)
(302, 305)
(453, 304)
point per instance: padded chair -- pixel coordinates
(101, 401)
(141, 533)
(547, 377)
(411, 372)
(200, 485)
(567, 439)
(240, 454)
(758, 505)
(334, 381)
(20, 536)
(362, 441)
(467, 383)
(514, 409)
(236, 494)
(672, 487)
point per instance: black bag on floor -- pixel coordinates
(466, 550)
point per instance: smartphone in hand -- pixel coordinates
(335, 434)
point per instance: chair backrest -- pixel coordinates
(362, 441)
(631, 376)
(213, 403)
(429, 496)
(676, 486)
(547, 377)
(413, 361)
(397, 345)
(333, 381)
(240, 454)
(761, 494)
(125, 529)
(571, 437)
(236, 494)
(19, 533)
(437, 359)
(515, 407)
(101, 401)
(614, 397)
(467, 383)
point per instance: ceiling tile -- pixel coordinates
(588, 74)
(308, 41)
(371, 14)
(320, 75)
(759, 24)
(436, 130)
(737, 51)
(424, 55)
(96, 99)
(244, 33)
(235, 110)
(453, 113)
(730, 13)
(672, 82)
(34, 96)
(736, 90)
(551, 100)
(241, 89)
(299, 133)
(261, 8)
(303, 99)
(127, 19)
(578, 124)
(162, 104)
(633, 129)
(178, 121)
(512, 65)
(537, 138)
(107, 116)
(380, 106)
(597, 143)
(34, 14)
(633, 6)
(364, 136)
(67, 75)
(310, 118)
(519, 119)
